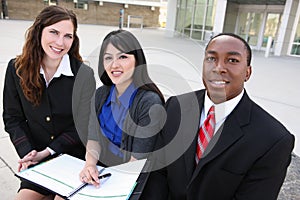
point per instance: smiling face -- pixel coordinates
(225, 68)
(119, 66)
(57, 39)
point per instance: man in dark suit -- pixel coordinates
(249, 153)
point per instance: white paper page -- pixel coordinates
(117, 187)
(60, 174)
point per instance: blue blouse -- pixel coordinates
(113, 114)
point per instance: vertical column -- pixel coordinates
(285, 29)
(220, 16)
(121, 19)
(171, 18)
(4, 11)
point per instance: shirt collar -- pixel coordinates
(222, 110)
(125, 98)
(64, 68)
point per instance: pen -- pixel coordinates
(104, 176)
(85, 184)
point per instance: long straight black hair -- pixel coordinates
(127, 43)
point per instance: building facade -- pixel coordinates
(102, 12)
(266, 24)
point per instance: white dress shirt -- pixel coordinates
(64, 68)
(222, 110)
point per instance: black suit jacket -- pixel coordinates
(246, 159)
(51, 123)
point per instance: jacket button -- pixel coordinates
(48, 119)
(52, 137)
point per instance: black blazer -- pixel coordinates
(50, 124)
(248, 156)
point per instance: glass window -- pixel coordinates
(204, 19)
(50, 2)
(296, 43)
(255, 25)
(181, 4)
(295, 49)
(195, 18)
(199, 17)
(81, 4)
(198, 27)
(210, 16)
(242, 25)
(249, 26)
(297, 35)
(189, 15)
(271, 27)
(190, 3)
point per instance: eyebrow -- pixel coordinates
(234, 53)
(230, 52)
(119, 53)
(53, 29)
(211, 52)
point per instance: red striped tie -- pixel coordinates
(206, 132)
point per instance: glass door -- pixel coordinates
(271, 28)
(249, 26)
(296, 42)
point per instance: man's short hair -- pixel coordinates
(247, 47)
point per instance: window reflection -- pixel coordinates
(296, 43)
(195, 18)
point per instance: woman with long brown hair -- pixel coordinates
(38, 93)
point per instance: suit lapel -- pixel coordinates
(229, 133)
(189, 155)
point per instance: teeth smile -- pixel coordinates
(116, 72)
(219, 82)
(55, 49)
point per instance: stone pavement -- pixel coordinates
(290, 189)
(175, 65)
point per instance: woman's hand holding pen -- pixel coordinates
(89, 174)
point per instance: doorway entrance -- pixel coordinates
(249, 26)
(256, 27)
(271, 28)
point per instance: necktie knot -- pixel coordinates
(206, 133)
(211, 116)
(211, 110)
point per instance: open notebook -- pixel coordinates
(61, 175)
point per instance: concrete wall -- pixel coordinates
(107, 14)
(231, 17)
(24, 9)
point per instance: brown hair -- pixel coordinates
(29, 62)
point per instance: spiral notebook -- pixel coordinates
(61, 175)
